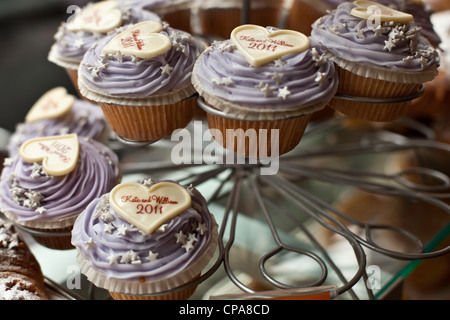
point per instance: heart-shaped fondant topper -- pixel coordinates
(142, 40)
(372, 10)
(147, 208)
(102, 17)
(259, 46)
(59, 154)
(53, 104)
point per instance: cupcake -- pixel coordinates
(377, 57)
(146, 240)
(176, 12)
(58, 112)
(140, 76)
(51, 181)
(262, 81)
(438, 5)
(217, 18)
(303, 13)
(86, 27)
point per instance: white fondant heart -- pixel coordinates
(142, 40)
(372, 10)
(59, 154)
(259, 46)
(53, 104)
(148, 208)
(99, 17)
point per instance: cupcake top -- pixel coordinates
(58, 112)
(54, 178)
(149, 236)
(287, 82)
(394, 50)
(90, 24)
(419, 9)
(143, 64)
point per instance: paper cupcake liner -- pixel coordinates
(54, 57)
(227, 4)
(352, 84)
(55, 242)
(183, 295)
(179, 295)
(43, 224)
(154, 100)
(219, 18)
(49, 229)
(320, 6)
(303, 13)
(267, 16)
(169, 7)
(321, 115)
(379, 112)
(381, 73)
(73, 75)
(178, 18)
(148, 123)
(71, 68)
(242, 112)
(287, 135)
(155, 286)
(218, 22)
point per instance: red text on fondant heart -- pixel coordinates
(142, 40)
(58, 154)
(259, 46)
(53, 104)
(100, 17)
(148, 208)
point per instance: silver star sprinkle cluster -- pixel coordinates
(25, 197)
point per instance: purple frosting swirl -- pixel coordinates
(223, 72)
(84, 118)
(421, 12)
(130, 77)
(121, 251)
(353, 39)
(24, 187)
(70, 46)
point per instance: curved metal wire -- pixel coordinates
(381, 100)
(281, 246)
